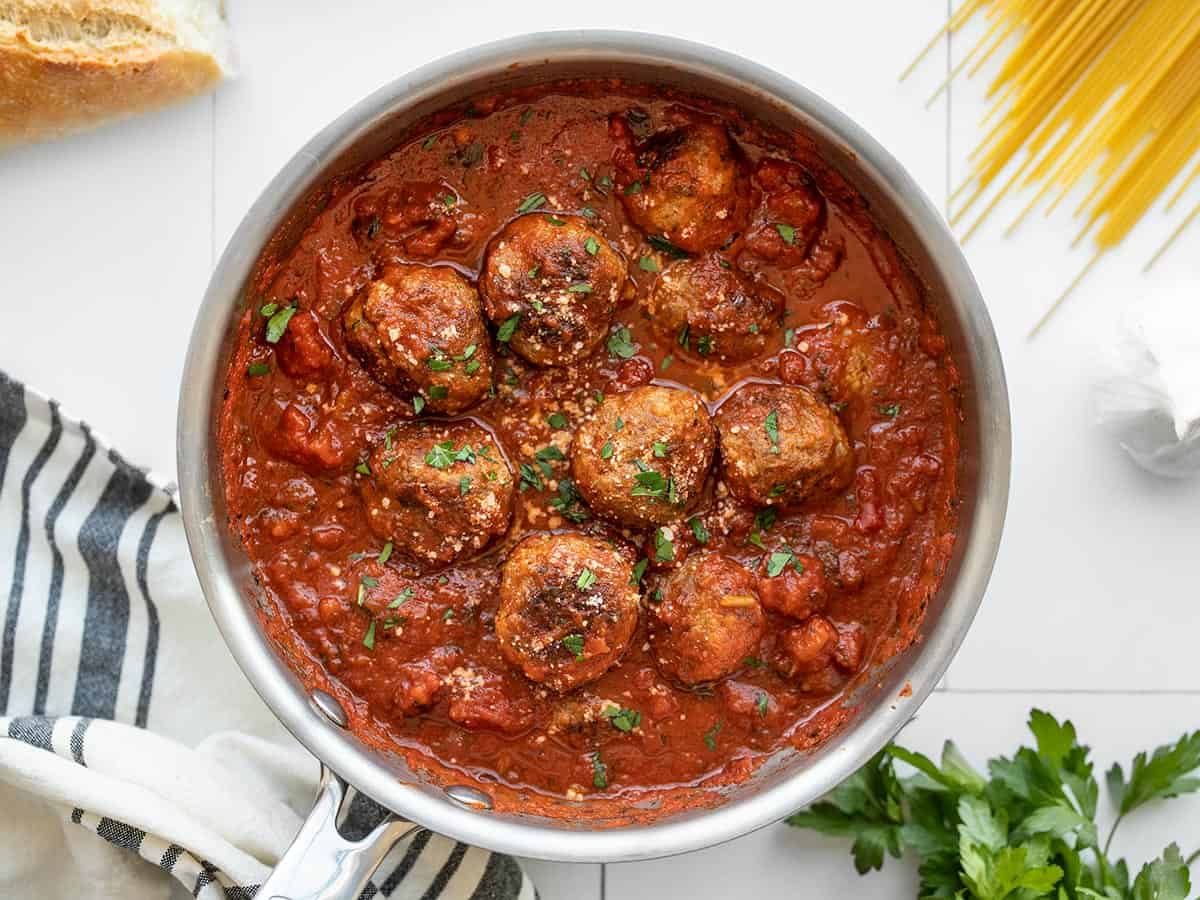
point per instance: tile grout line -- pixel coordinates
(212, 184)
(603, 881)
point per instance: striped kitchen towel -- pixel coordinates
(122, 712)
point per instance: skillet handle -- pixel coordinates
(320, 864)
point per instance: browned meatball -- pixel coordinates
(687, 185)
(438, 491)
(709, 619)
(709, 308)
(780, 445)
(567, 608)
(557, 281)
(419, 328)
(418, 220)
(642, 457)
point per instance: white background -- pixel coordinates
(107, 240)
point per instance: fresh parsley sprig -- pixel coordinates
(1025, 830)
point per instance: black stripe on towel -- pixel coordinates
(36, 731)
(151, 660)
(170, 857)
(120, 834)
(77, 734)
(447, 872)
(502, 879)
(208, 874)
(12, 419)
(17, 591)
(106, 622)
(409, 860)
(50, 625)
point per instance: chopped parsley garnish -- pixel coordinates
(704, 345)
(598, 396)
(449, 200)
(532, 202)
(753, 329)
(365, 582)
(603, 183)
(443, 455)
(586, 579)
(754, 662)
(418, 404)
(649, 484)
(369, 637)
(555, 220)
(771, 426)
(665, 246)
(464, 485)
(710, 736)
(760, 703)
(471, 367)
(550, 454)
(580, 287)
(588, 211)
(763, 520)
(362, 469)
(530, 478)
(599, 771)
(533, 273)
(471, 154)
(268, 309)
(788, 233)
(557, 420)
(592, 246)
(574, 645)
(401, 598)
(505, 332)
(789, 337)
(387, 438)
(660, 449)
(664, 549)
(666, 363)
(606, 451)
(438, 363)
(618, 424)
(448, 615)
(584, 173)
(624, 720)
(779, 560)
(891, 410)
(568, 502)
(386, 553)
(682, 337)
(621, 344)
(635, 187)
(526, 116)
(698, 530)
(638, 571)
(278, 323)
(255, 369)
(428, 143)
(438, 392)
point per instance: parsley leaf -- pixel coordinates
(662, 245)
(771, 426)
(599, 771)
(622, 719)
(278, 323)
(586, 579)
(621, 344)
(574, 645)
(507, 328)
(532, 202)
(778, 561)
(698, 530)
(664, 548)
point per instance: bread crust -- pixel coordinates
(64, 79)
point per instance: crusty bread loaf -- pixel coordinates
(66, 65)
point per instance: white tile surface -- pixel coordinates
(106, 241)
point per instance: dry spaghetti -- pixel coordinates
(1095, 94)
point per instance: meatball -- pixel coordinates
(799, 591)
(439, 491)
(302, 351)
(709, 619)
(642, 457)
(559, 278)
(706, 306)
(687, 185)
(818, 645)
(780, 445)
(568, 608)
(419, 328)
(792, 216)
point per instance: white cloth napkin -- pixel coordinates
(121, 710)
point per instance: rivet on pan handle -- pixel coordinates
(320, 864)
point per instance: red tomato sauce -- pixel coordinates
(301, 415)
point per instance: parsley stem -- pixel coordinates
(1112, 831)
(1191, 859)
